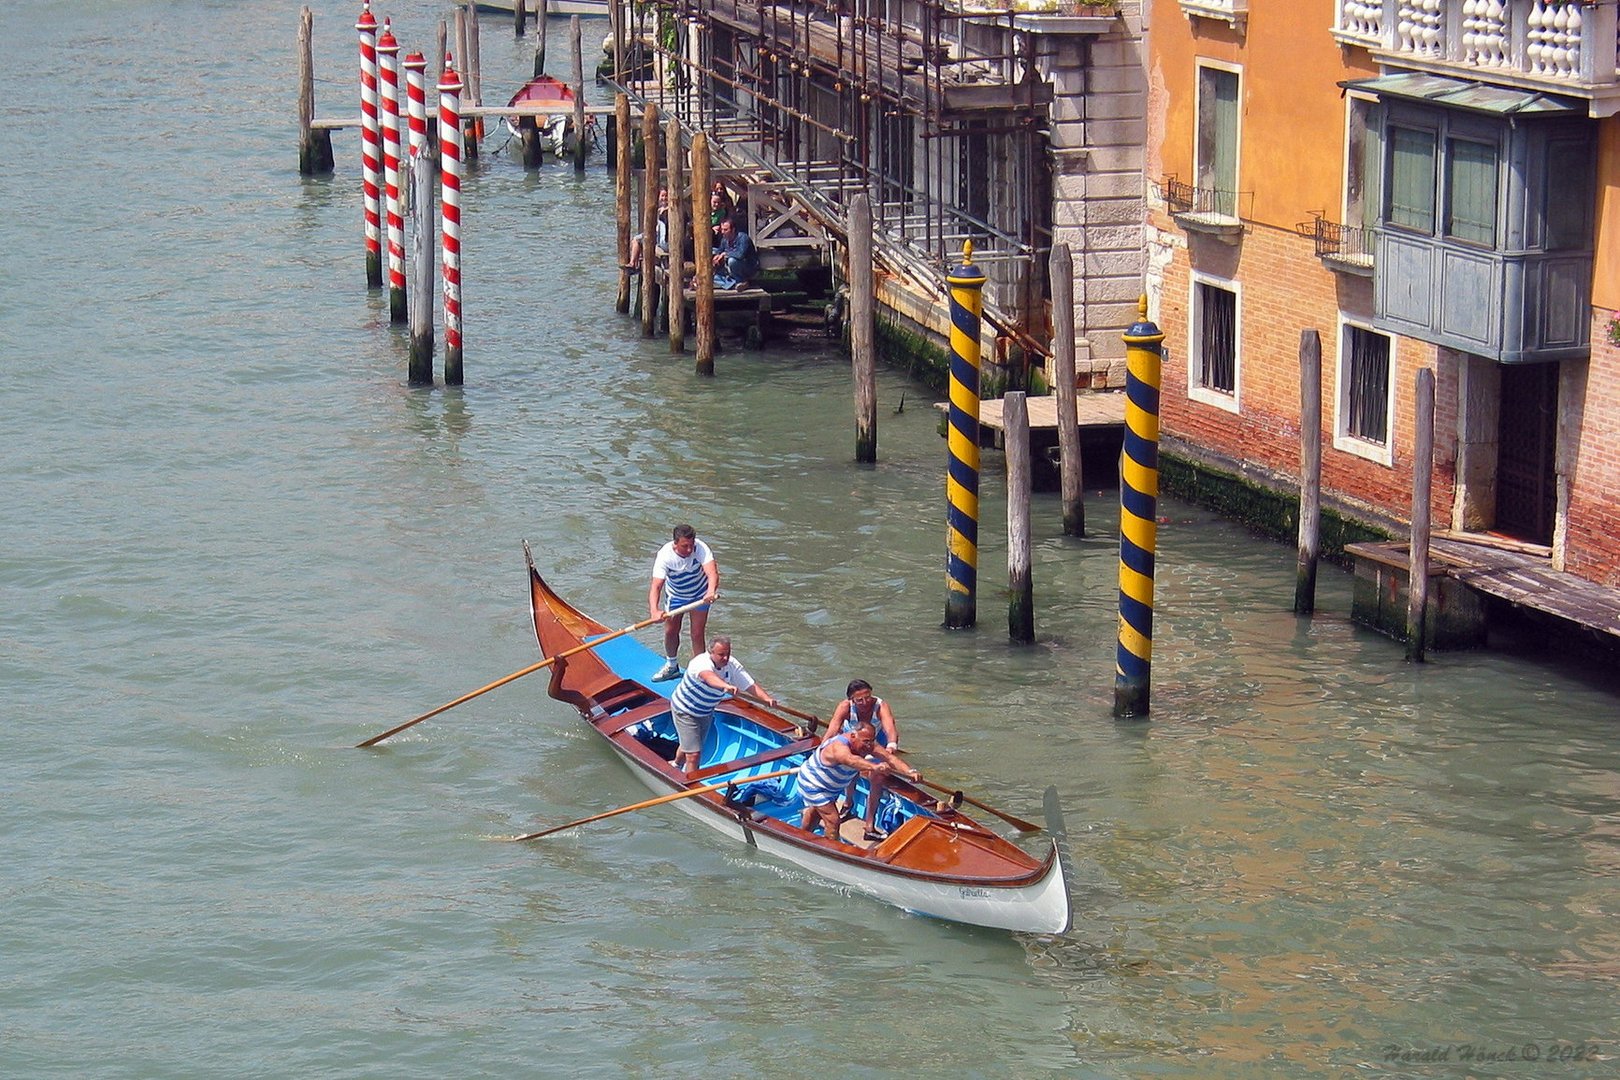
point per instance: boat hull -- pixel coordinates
(1041, 907)
(553, 7)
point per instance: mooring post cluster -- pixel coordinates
(406, 159)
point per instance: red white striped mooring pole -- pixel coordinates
(370, 148)
(450, 208)
(388, 66)
(416, 101)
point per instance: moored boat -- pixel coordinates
(934, 859)
(553, 7)
(549, 103)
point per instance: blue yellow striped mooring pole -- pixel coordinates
(1138, 520)
(962, 439)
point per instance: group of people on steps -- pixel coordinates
(861, 738)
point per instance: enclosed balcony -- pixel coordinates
(1562, 46)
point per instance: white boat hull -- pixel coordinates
(1041, 907)
(553, 7)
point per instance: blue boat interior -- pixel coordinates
(732, 738)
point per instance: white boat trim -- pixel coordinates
(1040, 907)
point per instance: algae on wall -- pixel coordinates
(1270, 511)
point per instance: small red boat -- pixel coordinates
(544, 95)
(550, 103)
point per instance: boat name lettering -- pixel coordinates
(974, 894)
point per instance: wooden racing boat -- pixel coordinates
(934, 861)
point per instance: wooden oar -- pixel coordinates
(687, 794)
(530, 670)
(808, 718)
(1016, 822)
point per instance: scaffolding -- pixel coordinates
(938, 115)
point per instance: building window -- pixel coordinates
(1411, 179)
(1217, 150)
(1212, 367)
(1569, 194)
(1365, 401)
(1471, 191)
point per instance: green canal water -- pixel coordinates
(235, 544)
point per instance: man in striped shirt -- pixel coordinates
(684, 571)
(709, 677)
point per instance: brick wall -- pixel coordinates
(1593, 531)
(1283, 288)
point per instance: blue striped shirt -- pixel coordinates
(820, 781)
(694, 696)
(684, 579)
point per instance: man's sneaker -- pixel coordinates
(670, 670)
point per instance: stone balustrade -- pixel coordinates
(1570, 44)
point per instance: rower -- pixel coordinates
(835, 765)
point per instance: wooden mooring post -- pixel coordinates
(581, 144)
(370, 146)
(966, 283)
(1310, 470)
(520, 13)
(450, 260)
(1138, 517)
(1417, 567)
(530, 146)
(674, 289)
(702, 256)
(314, 144)
(420, 291)
(862, 354)
(1020, 586)
(649, 218)
(542, 20)
(621, 196)
(466, 38)
(1071, 467)
(394, 210)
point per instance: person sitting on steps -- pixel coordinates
(661, 235)
(736, 260)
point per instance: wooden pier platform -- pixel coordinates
(1101, 417)
(1091, 410)
(1516, 574)
(341, 123)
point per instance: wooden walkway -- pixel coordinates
(1523, 579)
(1091, 410)
(1529, 581)
(341, 123)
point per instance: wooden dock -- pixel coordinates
(1523, 578)
(1091, 410)
(342, 123)
(1101, 417)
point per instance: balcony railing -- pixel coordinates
(1205, 209)
(1232, 12)
(1350, 246)
(1568, 44)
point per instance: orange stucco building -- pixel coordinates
(1424, 184)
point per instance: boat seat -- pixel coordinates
(774, 754)
(612, 725)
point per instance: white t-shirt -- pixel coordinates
(684, 579)
(695, 696)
